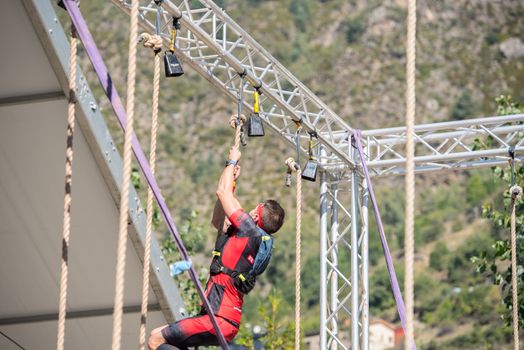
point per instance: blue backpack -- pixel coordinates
(264, 254)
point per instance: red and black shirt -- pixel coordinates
(238, 247)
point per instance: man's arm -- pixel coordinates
(225, 188)
(219, 220)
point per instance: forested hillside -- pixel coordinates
(352, 55)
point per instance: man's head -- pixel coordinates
(268, 215)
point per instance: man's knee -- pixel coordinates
(156, 338)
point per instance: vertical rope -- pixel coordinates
(150, 209)
(294, 167)
(410, 171)
(237, 136)
(62, 306)
(124, 200)
(298, 254)
(516, 192)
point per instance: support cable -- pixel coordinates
(410, 173)
(155, 43)
(124, 199)
(516, 193)
(397, 294)
(62, 305)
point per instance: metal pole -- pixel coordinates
(323, 253)
(334, 261)
(364, 250)
(355, 339)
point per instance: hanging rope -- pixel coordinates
(294, 167)
(410, 172)
(516, 193)
(151, 42)
(237, 125)
(124, 200)
(62, 305)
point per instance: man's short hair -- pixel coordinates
(272, 216)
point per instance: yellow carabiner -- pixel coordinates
(172, 42)
(256, 107)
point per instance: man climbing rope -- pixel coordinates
(241, 253)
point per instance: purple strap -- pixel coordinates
(357, 136)
(118, 108)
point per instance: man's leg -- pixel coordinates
(166, 347)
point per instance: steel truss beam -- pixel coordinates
(344, 244)
(468, 143)
(218, 49)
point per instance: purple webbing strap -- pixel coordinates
(118, 108)
(357, 135)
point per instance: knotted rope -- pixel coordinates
(152, 43)
(410, 171)
(237, 123)
(62, 305)
(516, 193)
(124, 200)
(294, 167)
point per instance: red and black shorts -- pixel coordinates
(198, 331)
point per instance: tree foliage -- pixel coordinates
(192, 236)
(494, 262)
(277, 334)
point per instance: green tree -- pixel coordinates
(438, 257)
(493, 262)
(464, 107)
(279, 333)
(192, 236)
(354, 29)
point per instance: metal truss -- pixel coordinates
(459, 144)
(344, 293)
(218, 49)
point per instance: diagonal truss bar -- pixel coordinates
(112, 95)
(219, 50)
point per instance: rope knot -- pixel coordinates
(516, 192)
(233, 120)
(292, 165)
(152, 41)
